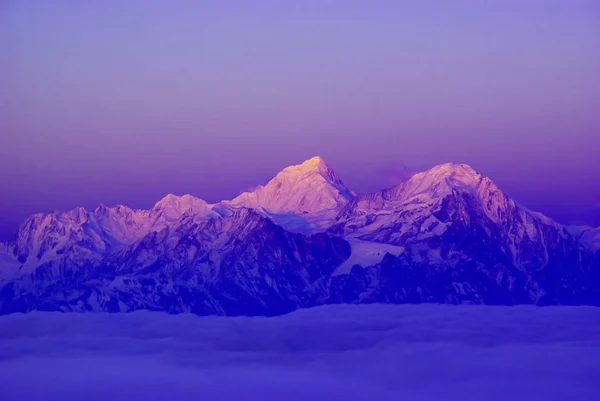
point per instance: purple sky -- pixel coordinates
(123, 102)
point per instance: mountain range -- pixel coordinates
(446, 235)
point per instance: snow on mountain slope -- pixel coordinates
(9, 265)
(303, 198)
(239, 264)
(465, 240)
(365, 253)
(79, 237)
(445, 235)
(71, 236)
(425, 190)
(588, 236)
(171, 208)
(429, 203)
(310, 187)
(121, 223)
(592, 238)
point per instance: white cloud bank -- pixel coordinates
(345, 352)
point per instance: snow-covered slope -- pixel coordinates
(239, 264)
(303, 198)
(464, 237)
(76, 238)
(416, 198)
(434, 202)
(588, 236)
(172, 208)
(9, 265)
(311, 187)
(366, 253)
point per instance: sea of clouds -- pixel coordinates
(341, 352)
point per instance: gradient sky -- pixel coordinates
(123, 102)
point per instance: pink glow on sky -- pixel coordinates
(113, 102)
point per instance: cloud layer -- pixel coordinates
(345, 352)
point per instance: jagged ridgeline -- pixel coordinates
(445, 235)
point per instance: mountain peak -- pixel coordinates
(173, 207)
(454, 175)
(434, 184)
(183, 201)
(77, 215)
(167, 199)
(310, 187)
(314, 165)
(453, 169)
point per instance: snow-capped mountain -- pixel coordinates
(240, 264)
(171, 208)
(303, 198)
(75, 238)
(444, 235)
(429, 203)
(311, 187)
(456, 225)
